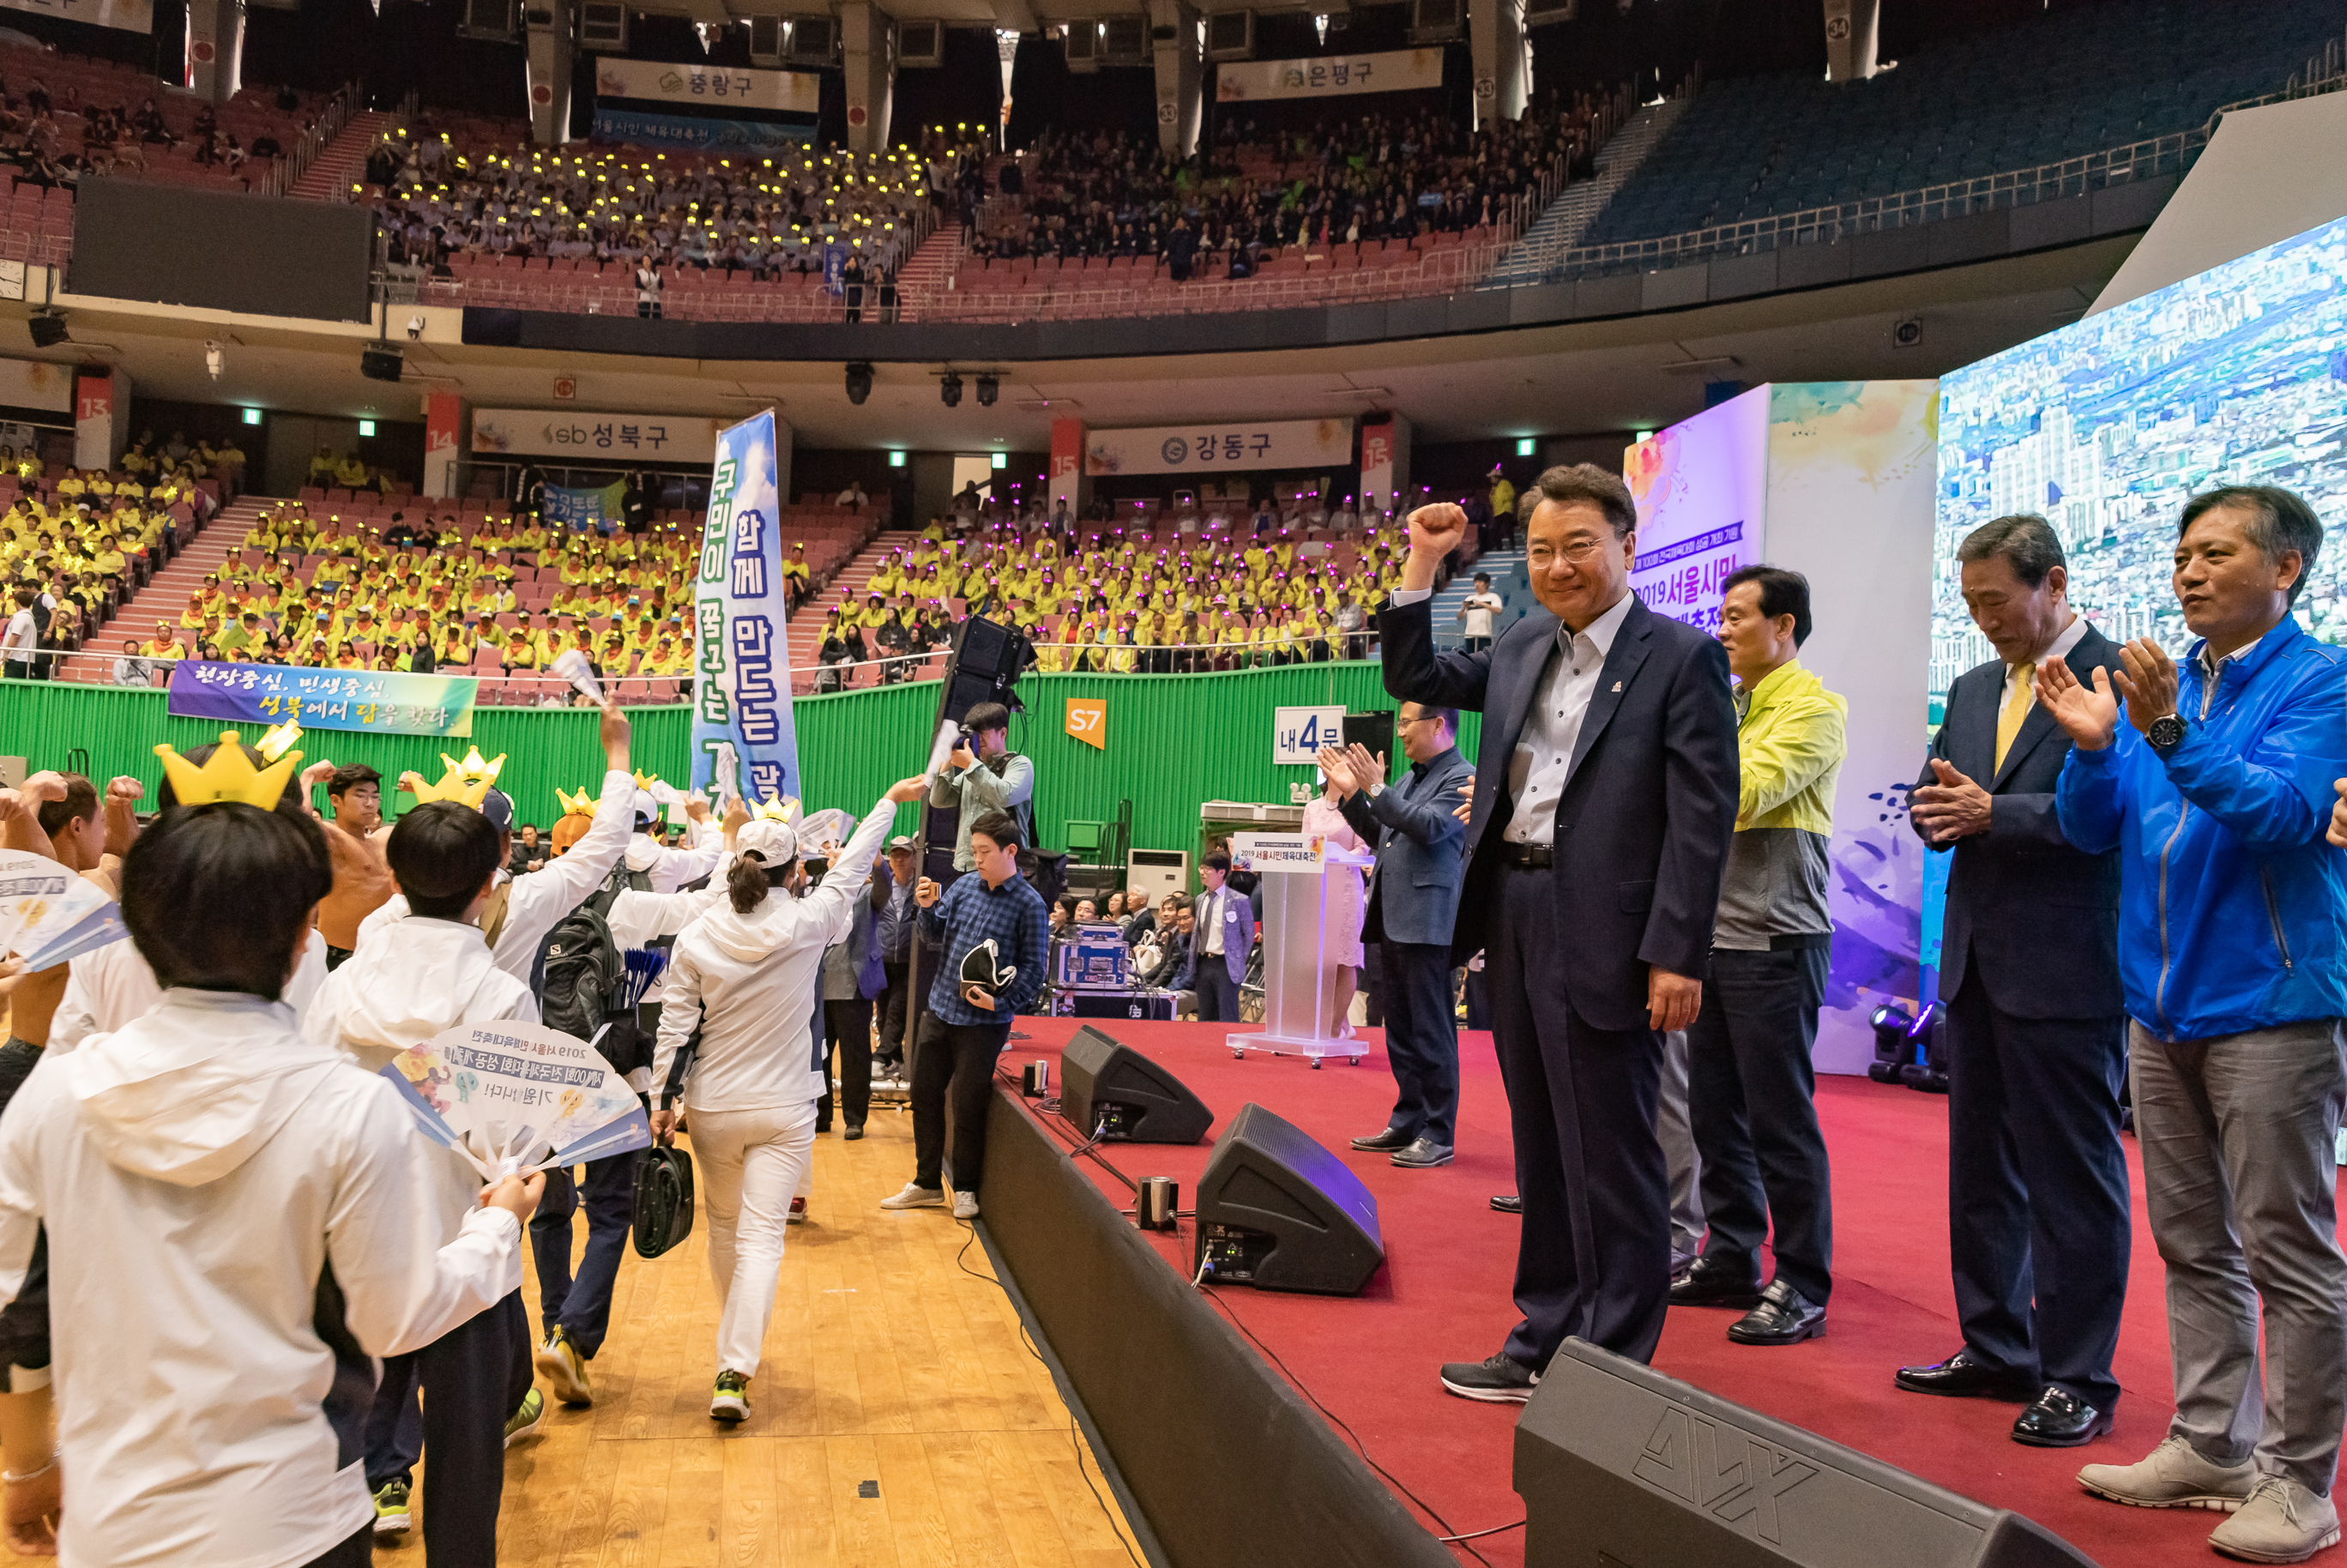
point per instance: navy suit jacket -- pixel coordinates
(1414, 888)
(1642, 830)
(2038, 921)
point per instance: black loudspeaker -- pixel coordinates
(1279, 1211)
(381, 364)
(1112, 1093)
(1374, 732)
(1620, 1466)
(48, 330)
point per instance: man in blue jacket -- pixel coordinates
(2216, 792)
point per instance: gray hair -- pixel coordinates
(2026, 540)
(2279, 523)
(1587, 484)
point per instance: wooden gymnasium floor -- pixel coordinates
(885, 1363)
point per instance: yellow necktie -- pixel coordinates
(2016, 708)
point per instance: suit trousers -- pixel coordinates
(1218, 994)
(753, 1163)
(1679, 1156)
(582, 1305)
(1751, 1099)
(1421, 1039)
(847, 1036)
(893, 1005)
(1595, 1255)
(956, 1060)
(473, 1379)
(2039, 1232)
(2240, 1137)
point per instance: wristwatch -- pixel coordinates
(2166, 733)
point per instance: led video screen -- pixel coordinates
(2235, 376)
(262, 255)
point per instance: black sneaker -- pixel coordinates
(1502, 1380)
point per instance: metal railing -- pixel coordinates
(1539, 262)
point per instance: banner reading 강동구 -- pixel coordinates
(744, 741)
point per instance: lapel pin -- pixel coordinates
(1617, 685)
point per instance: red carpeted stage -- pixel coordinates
(1443, 1294)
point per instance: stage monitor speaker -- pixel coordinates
(1373, 732)
(1619, 1465)
(1110, 1091)
(1279, 1211)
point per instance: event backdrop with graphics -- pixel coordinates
(744, 741)
(2106, 427)
(1834, 480)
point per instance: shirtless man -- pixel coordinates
(355, 837)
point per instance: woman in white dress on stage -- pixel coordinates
(1346, 900)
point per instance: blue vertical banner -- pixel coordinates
(744, 741)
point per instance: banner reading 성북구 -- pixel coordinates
(743, 739)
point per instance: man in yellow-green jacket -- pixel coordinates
(1749, 1084)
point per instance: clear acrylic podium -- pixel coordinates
(1299, 983)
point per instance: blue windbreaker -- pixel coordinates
(2232, 907)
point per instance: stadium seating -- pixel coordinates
(2071, 84)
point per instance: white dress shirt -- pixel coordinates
(1206, 919)
(1543, 761)
(2070, 636)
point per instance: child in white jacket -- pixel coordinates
(407, 981)
(238, 1220)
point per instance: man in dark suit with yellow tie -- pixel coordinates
(2038, 1228)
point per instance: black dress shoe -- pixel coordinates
(1964, 1376)
(1716, 1282)
(1422, 1154)
(1387, 1142)
(1785, 1317)
(1508, 1203)
(2060, 1420)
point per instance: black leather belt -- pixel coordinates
(1538, 854)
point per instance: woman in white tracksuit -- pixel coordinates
(745, 975)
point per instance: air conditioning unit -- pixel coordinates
(1436, 21)
(1124, 40)
(1083, 44)
(766, 41)
(920, 44)
(603, 26)
(812, 41)
(1543, 13)
(488, 19)
(1230, 35)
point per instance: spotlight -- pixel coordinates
(213, 359)
(48, 330)
(859, 381)
(989, 388)
(415, 326)
(949, 391)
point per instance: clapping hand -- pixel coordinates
(1465, 809)
(1367, 769)
(2089, 715)
(2147, 682)
(1956, 807)
(1334, 763)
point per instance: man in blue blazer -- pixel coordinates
(1413, 899)
(2038, 1229)
(1605, 792)
(1224, 936)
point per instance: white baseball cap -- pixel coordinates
(776, 843)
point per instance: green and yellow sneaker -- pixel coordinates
(731, 1399)
(563, 1367)
(527, 1418)
(391, 1516)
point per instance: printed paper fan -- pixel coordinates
(49, 914)
(514, 1097)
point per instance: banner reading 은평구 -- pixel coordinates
(744, 741)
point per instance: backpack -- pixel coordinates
(580, 977)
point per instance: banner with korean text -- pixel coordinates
(1394, 71)
(579, 509)
(382, 702)
(130, 16)
(744, 739)
(706, 89)
(1209, 447)
(620, 438)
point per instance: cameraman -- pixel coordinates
(983, 775)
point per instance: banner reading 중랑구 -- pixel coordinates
(384, 702)
(743, 739)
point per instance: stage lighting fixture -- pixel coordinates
(859, 383)
(989, 388)
(48, 330)
(1907, 334)
(949, 391)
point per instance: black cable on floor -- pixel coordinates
(1075, 1438)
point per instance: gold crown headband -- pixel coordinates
(277, 741)
(229, 775)
(778, 808)
(580, 805)
(466, 783)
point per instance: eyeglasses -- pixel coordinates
(1421, 719)
(1575, 551)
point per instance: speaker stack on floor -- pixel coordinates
(1620, 1467)
(1112, 1093)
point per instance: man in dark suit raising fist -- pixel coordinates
(2038, 1232)
(1605, 791)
